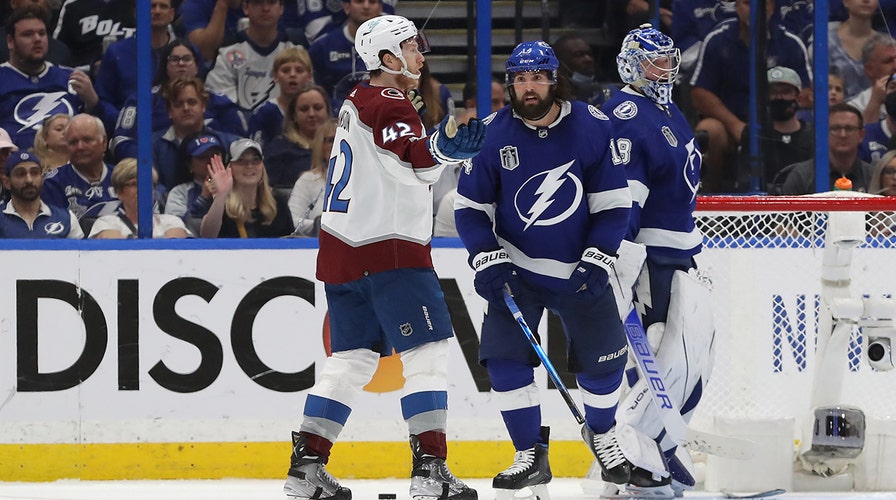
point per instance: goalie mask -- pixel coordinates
(649, 61)
(388, 33)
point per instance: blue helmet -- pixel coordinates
(532, 56)
(649, 61)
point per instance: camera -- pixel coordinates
(880, 356)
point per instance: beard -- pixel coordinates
(25, 193)
(532, 111)
(406, 83)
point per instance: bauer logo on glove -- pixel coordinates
(453, 144)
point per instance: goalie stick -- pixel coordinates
(676, 428)
(552, 372)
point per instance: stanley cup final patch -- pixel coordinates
(510, 158)
(670, 136)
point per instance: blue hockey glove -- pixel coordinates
(493, 270)
(592, 272)
(453, 144)
(417, 101)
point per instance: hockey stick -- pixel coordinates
(761, 494)
(676, 428)
(555, 377)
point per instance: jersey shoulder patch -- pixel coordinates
(597, 113)
(626, 110)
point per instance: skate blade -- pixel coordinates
(535, 492)
(614, 491)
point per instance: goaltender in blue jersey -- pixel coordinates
(543, 209)
(662, 161)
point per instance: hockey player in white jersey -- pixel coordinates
(662, 162)
(375, 262)
(543, 209)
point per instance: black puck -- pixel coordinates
(387, 496)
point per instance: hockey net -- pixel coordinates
(764, 256)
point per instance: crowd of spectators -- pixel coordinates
(274, 72)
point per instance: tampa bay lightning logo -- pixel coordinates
(549, 197)
(32, 110)
(54, 228)
(692, 167)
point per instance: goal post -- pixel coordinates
(776, 264)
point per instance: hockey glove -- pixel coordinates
(493, 270)
(453, 144)
(417, 101)
(591, 273)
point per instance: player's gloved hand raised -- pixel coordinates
(591, 273)
(417, 101)
(452, 143)
(493, 270)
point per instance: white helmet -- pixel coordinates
(386, 33)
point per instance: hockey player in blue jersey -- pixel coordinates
(660, 155)
(543, 209)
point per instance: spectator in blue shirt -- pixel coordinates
(25, 215)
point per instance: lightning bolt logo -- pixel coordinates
(550, 182)
(30, 115)
(692, 168)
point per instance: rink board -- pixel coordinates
(194, 363)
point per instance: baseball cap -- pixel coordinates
(783, 74)
(239, 146)
(20, 157)
(6, 142)
(202, 144)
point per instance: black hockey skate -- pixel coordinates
(614, 467)
(308, 479)
(431, 479)
(530, 470)
(642, 485)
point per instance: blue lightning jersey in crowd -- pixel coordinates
(662, 161)
(26, 101)
(66, 187)
(551, 191)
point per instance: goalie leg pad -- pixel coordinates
(628, 268)
(684, 352)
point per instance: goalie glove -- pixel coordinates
(417, 101)
(453, 144)
(592, 272)
(493, 270)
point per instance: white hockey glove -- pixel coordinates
(453, 144)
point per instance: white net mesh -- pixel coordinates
(766, 266)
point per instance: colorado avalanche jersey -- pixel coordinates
(662, 161)
(242, 71)
(377, 208)
(25, 101)
(66, 187)
(545, 194)
(51, 223)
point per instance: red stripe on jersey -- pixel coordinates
(344, 263)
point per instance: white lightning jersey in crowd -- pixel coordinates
(242, 72)
(377, 208)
